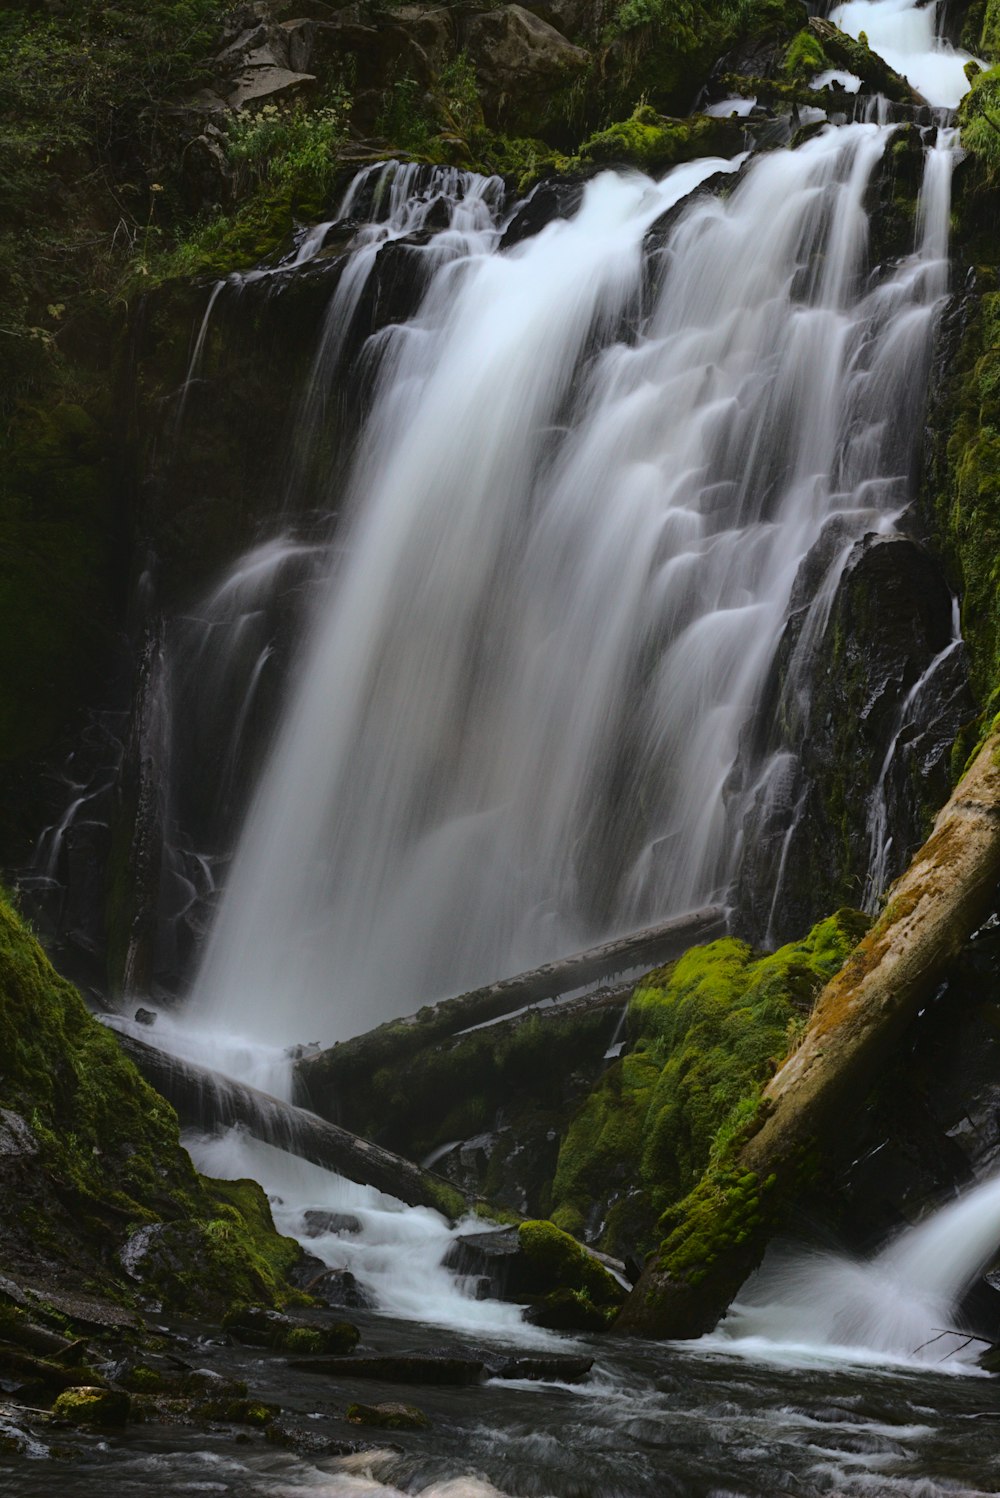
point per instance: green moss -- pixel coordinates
(87, 1406)
(558, 1258)
(110, 1155)
(653, 143)
(979, 117)
(706, 1033)
(805, 57)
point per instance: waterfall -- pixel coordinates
(901, 1304)
(594, 465)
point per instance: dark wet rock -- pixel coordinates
(566, 1311)
(145, 1017)
(398, 1368)
(339, 1288)
(307, 1440)
(559, 1368)
(255, 1412)
(534, 1260)
(265, 1328)
(87, 1405)
(549, 201)
(318, 1223)
(835, 712)
(208, 1382)
(16, 1138)
(491, 1257)
(388, 1416)
(20, 1369)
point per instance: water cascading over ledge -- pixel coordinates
(563, 574)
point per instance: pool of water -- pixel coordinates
(651, 1421)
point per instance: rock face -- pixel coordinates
(859, 733)
(523, 66)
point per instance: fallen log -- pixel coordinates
(717, 1235)
(204, 1099)
(393, 1043)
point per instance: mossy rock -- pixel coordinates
(562, 1263)
(654, 143)
(705, 1033)
(262, 1327)
(388, 1416)
(805, 57)
(106, 1165)
(89, 1406)
(569, 1311)
(253, 1412)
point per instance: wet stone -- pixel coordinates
(87, 1405)
(405, 1368)
(388, 1416)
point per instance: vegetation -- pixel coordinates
(705, 1035)
(104, 1161)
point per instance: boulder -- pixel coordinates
(388, 1416)
(91, 1406)
(263, 85)
(319, 1223)
(559, 1368)
(534, 1262)
(522, 66)
(566, 1311)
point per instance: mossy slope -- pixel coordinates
(705, 1035)
(101, 1159)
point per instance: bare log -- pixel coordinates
(207, 1100)
(721, 1229)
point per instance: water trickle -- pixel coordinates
(562, 577)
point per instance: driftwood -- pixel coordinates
(392, 1043)
(206, 1100)
(946, 893)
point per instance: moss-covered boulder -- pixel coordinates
(705, 1034)
(89, 1406)
(95, 1179)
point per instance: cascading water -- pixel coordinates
(902, 1304)
(563, 577)
(908, 37)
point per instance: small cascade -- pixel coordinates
(912, 713)
(394, 1253)
(908, 37)
(901, 1305)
